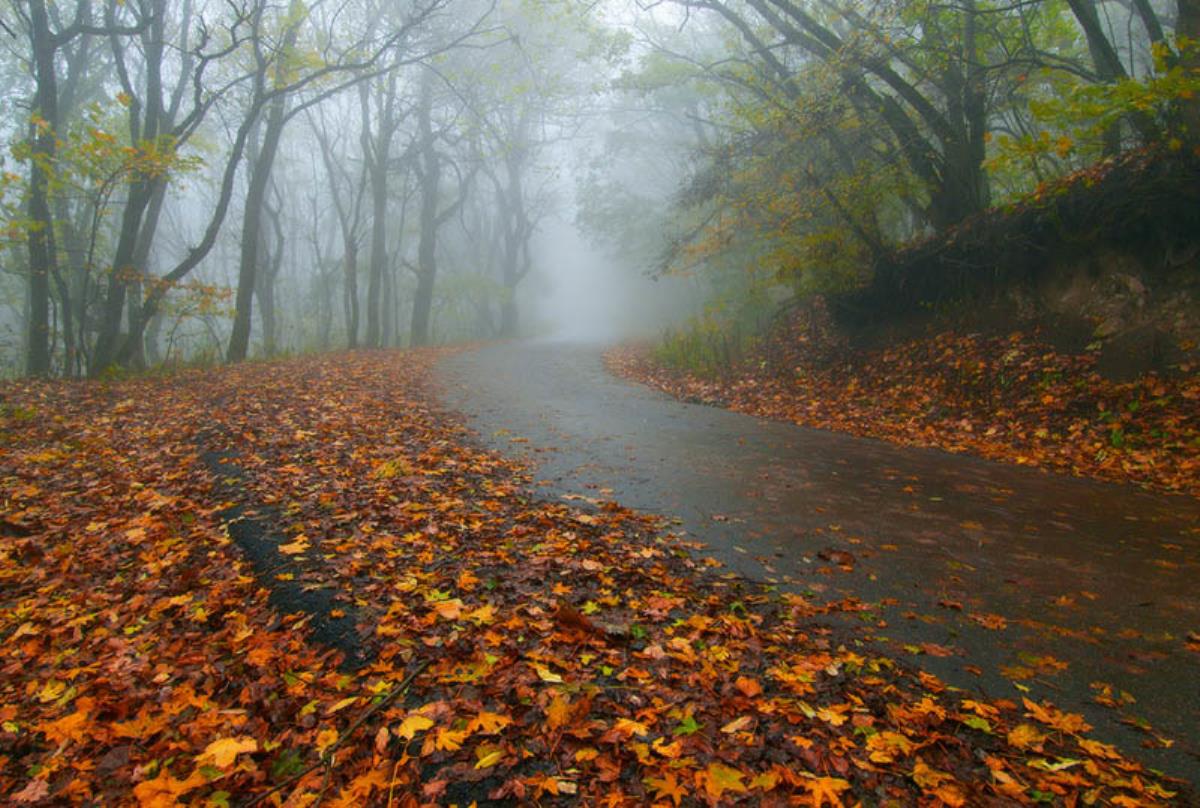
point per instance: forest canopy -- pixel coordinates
(214, 180)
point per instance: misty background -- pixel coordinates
(204, 181)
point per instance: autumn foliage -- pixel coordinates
(501, 646)
(1008, 398)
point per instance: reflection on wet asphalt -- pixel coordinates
(1097, 577)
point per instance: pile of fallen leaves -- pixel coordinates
(501, 647)
(1012, 399)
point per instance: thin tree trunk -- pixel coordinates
(252, 221)
(379, 259)
(42, 255)
(1187, 26)
(430, 176)
(350, 293)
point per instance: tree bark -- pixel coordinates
(252, 221)
(377, 150)
(430, 176)
(271, 260)
(125, 267)
(1187, 26)
(42, 251)
(350, 292)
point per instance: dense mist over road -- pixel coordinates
(588, 296)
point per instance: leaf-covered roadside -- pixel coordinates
(520, 649)
(1012, 399)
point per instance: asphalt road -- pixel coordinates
(1097, 584)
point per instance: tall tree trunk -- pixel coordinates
(430, 176)
(42, 255)
(252, 222)
(379, 258)
(324, 313)
(256, 195)
(122, 273)
(265, 295)
(134, 350)
(1187, 25)
(376, 151)
(152, 331)
(422, 308)
(132, 243)
(271, 259)
(350, 292)
(387, 315)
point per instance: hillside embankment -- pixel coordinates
(1058, 332)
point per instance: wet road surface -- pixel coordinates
(1063, 586)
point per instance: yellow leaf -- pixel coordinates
(720, 778)
(886, 745)
(341, 705)
(481, 616)
(832, 715)
(928, 777)
(737, 725)
(411, 725)
(488, 755)
(630, 727)
(51, 691)
(325, 739)
(1024, 736)
(671, 750)
(224, 751)
(296, 547)
(766, 781)
(547, 675)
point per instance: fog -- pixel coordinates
(590, 295)
(210, 182)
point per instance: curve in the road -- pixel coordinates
(1097, 577)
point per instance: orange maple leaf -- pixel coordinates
(488, 723)
(822, 789)
(164, 790)
(1051, 716)
(73, 727)
(667, 787)
(558, 713)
